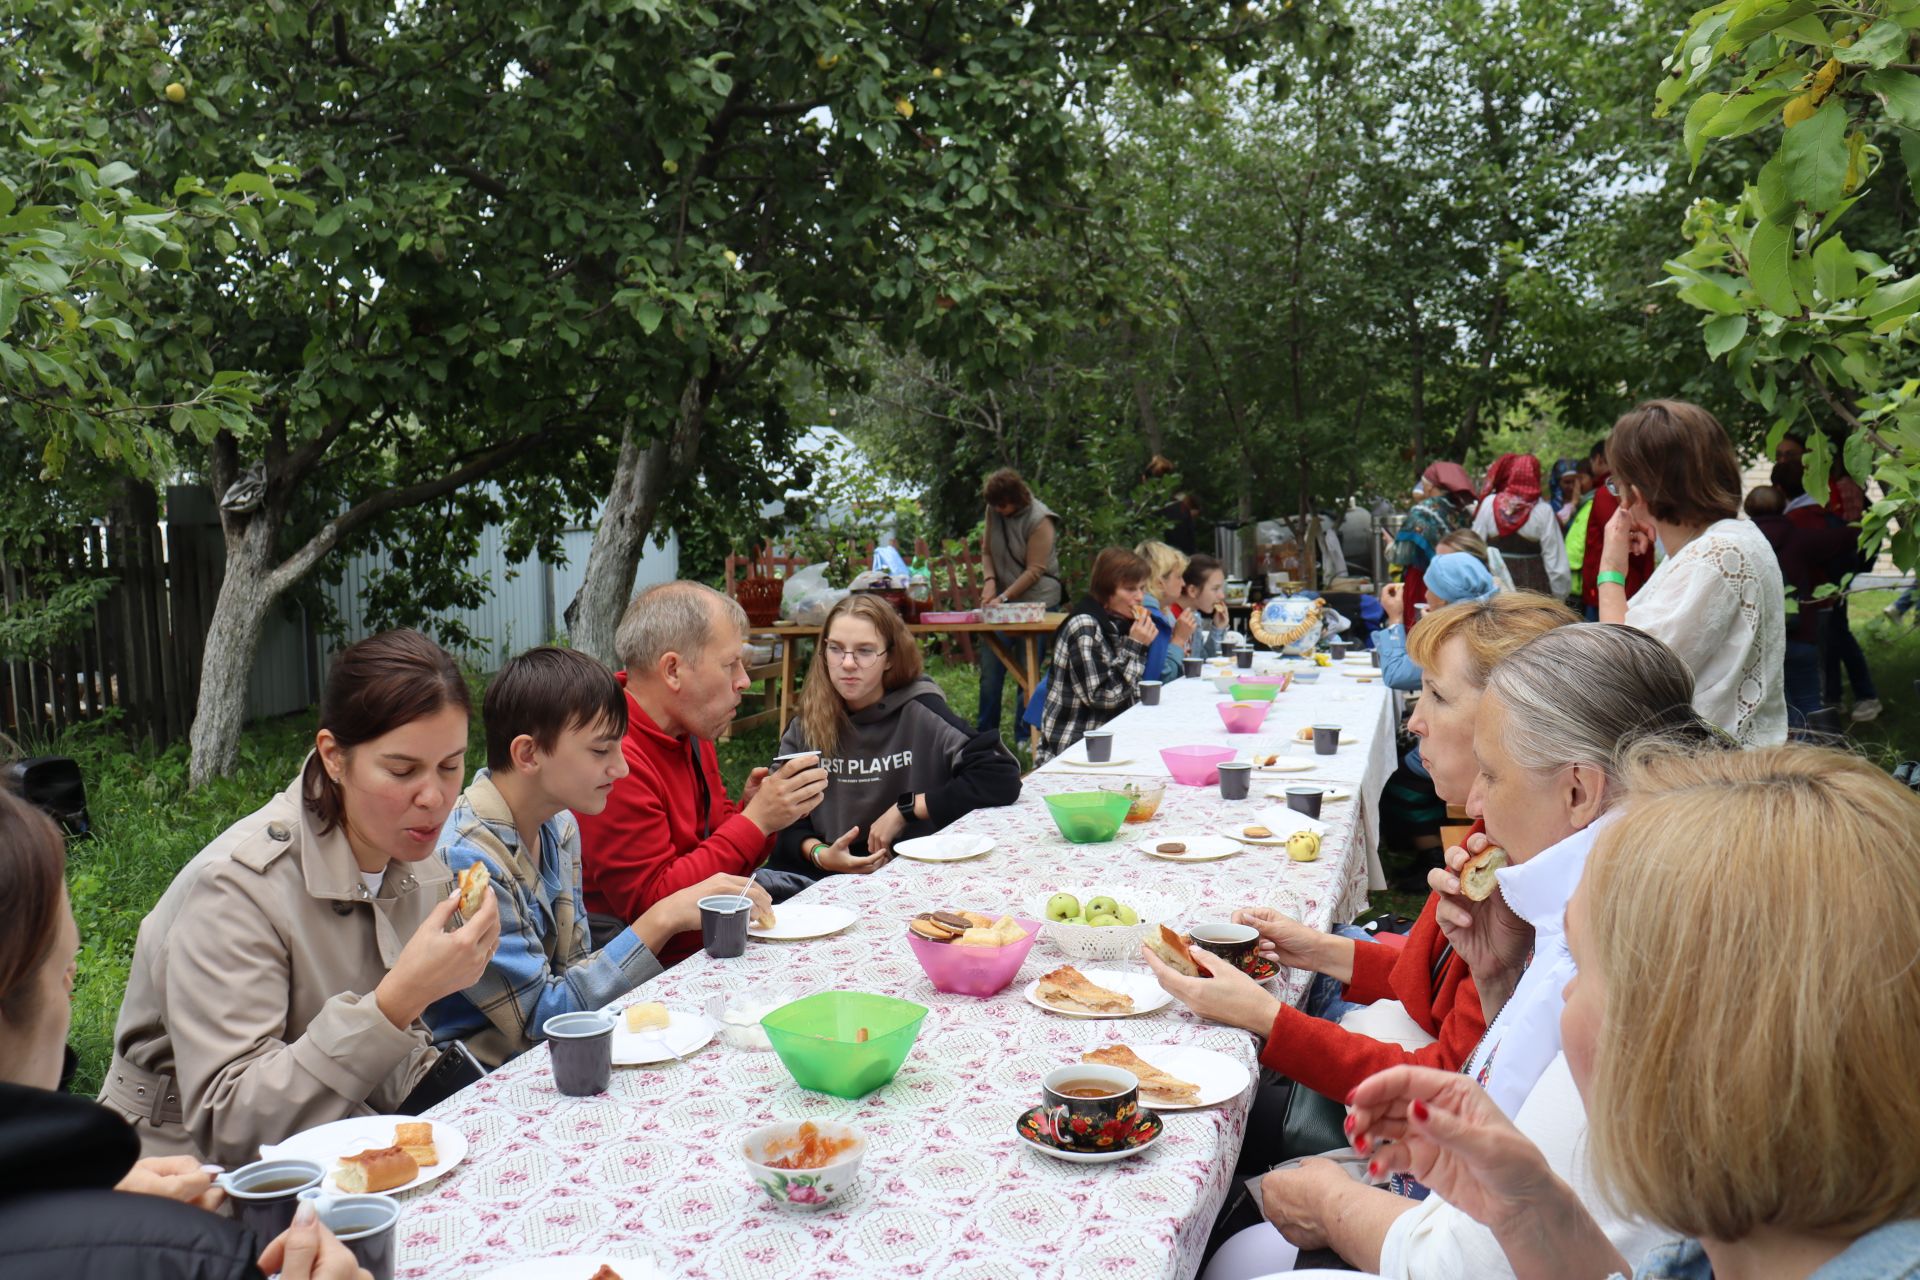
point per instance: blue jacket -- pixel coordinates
(1891, 1252)
(1397, 670)
(1163, 655)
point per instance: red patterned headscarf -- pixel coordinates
(1515, 485)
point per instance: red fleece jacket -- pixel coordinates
(652, 839)
(1331, 1060)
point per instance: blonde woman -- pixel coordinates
(901, 763)
(1166, 579)
(1745, 1064)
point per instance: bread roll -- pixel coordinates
(380, 1170)
(1173, 953)
(1476, 874)
(473, 883)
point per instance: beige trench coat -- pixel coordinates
(249, 1013)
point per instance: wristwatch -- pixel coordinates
(905, 805)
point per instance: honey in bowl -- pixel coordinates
(808, 1148)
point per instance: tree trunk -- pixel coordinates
(1419, 390)
(1309, 528)
(644, 475)
(1142, 394)
(247, 591)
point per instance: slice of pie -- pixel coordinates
(1068, 988)
(1155, 1084)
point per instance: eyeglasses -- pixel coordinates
(864, 656)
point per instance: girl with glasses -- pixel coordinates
(902, 763)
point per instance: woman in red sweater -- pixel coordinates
(1457, 647)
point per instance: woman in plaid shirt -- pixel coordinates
(1098, 653)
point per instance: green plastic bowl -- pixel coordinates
(817, 1039)
(1255, 692)
(1088, 817)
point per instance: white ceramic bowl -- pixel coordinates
(804, 1188)
(1108, 942)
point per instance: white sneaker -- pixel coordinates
(1892, 612)
(1868, 710)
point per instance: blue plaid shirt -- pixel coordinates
(543, 966)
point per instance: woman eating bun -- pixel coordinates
(278, 983)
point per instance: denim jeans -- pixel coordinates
(1844, 650)
(1802, 678)
(1323, 997)
(993, 683)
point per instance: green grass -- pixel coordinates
(147, 825)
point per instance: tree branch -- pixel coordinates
(1846, 415)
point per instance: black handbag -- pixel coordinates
(54, 785)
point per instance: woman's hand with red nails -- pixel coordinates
(1440, 1128)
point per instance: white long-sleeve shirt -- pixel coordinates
(1540, 527)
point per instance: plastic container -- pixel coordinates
(1244, 717)
(1015, 611)
(1143, 799)
(1088, 817)
(949, 617)
(1243, 692)
(973, 971)
(818, 1040)
(1196, 766)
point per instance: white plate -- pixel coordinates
(1093, 1157)
(580, 1266)
(325, 1144)
(944, 847)
(686, 1032)
(795, 920)
(1081, 759)
(1145, 989)
(1287, 764)
(1200, 846)
(1346, 740)
(1219, 1076)
(1278, 838)
(1328, 794)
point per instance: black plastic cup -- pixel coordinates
(1099, 745)
(1243, 659)
(265, 1193)
(723, 924)
(1326, 739)
(1305, 800)
(1149, 693)
(1373, 656)
(1192, 667)
(582, 1045)
(365, 1224)
(1339, 649)
(1236, 776)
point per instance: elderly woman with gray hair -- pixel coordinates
(1552, 735)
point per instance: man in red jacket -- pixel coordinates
(669, 823)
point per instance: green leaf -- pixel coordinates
(1742, 113)
(1752, 19)
(1814, 153)
(1900, 90)
(1858, 454)
(1704, 108)
(1819, 464)
(1769, 253)
(1724, 334)
(648, 314)
(1834, 274)
(1882, 43)
(9, 305)
(112, 175)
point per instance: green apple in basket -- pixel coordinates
(1062, 908)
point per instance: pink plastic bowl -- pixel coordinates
(973, 971)
(1244, 717)
(1196, 766)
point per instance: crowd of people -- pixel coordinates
(1563, 1070)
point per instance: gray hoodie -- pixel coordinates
(909, 741)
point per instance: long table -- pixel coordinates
(651, 1168)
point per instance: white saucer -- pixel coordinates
(1220, 1077)
(944, 847)
(793, 921)
(686, 1033)
(1201, 847)
(1148, 995)
(325, 1144)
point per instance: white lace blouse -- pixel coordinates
(1720, 604)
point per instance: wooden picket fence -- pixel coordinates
(138, 654)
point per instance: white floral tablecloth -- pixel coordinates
(651, 1168)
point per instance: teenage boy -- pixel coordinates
(554, 720)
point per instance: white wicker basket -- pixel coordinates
(1111, 942)
(1013, 611)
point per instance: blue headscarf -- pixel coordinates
(1457, 576)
